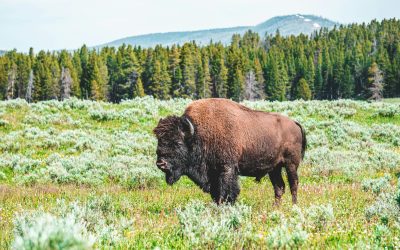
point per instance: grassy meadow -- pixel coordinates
(82, 175)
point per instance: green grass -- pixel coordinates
(155, 221)
(367, 117)
(392, 100)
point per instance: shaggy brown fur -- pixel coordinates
(217, 139)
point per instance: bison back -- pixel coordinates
(230, 133)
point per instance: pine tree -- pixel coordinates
(218, 71)
(318, 79)
(199, 76)
(237, 85)
(55, 71)
(98, 78)
(138, 90)
(396, 71)
(188, 71)
(22, 75)
(346, 83)
(276, 76)
(114, 69)
(42, 77)
(3, 77)
(85, 78)
(206, 84)
(359, 71)
(310, 73)
(160, 82)
(148, 71)
(236, 81)
(76, 62)
(123, 67)
(303, 90)
(326, 71)
(175, 72)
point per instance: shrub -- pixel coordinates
(318, 216)
(45, 231)
(387, 111)
(15, 103)
(386, 208)
(71, 226)
(100, 114)
(101, 219)
(215, 226)
(376, 185)
(293, 231)
(289, 233)
(387, 133)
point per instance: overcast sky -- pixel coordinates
(58, 24)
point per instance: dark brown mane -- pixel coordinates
(166, 126)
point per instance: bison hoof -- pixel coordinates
(277, 203)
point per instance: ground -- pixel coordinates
(54, 154)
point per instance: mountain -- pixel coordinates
(2, 52)
(287, 25)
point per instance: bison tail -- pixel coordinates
(304, 141)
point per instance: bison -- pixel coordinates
(216, 140)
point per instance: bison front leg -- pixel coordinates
(226, 188)
(277, 181)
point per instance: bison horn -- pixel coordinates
(190, 126)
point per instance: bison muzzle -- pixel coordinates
(216, 140)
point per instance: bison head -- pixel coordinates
(173, 134)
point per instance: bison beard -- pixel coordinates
(216, 140)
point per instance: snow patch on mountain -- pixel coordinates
(316, 25)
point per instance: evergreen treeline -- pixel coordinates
(339, 63)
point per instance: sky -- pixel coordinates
(68, 24)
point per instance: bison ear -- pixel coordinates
(187, 127)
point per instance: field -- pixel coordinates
(81, 174)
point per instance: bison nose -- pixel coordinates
(162, 164)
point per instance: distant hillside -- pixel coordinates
(287, 25)
(2, 52)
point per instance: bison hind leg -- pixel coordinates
(277, 182)
(293, 178)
